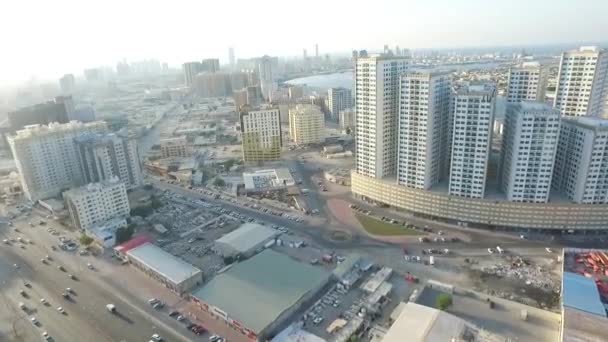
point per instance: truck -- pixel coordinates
(111, 308)
(432, 260)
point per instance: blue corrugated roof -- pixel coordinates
(581, 293)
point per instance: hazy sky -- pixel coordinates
(48, 38)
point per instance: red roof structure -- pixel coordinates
(137, 241)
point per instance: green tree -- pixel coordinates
(219, 182)
(85, 239)
(124, 233)
(444, 301)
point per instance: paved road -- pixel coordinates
(86, 318)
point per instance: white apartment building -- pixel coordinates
(261, 133)
(472, 117)
(377, 106)
(47, 158)
(306, 124)
(102, 157)
(347, 119)
(581, 164)
(527, 82)
(424, 103)
(338, 99)
(582, 83)
(93, 205)
(174, 147)
(528, 151)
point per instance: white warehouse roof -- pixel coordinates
(247, 236)
(171, 267)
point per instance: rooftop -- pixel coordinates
(588, 122)
(247, 236)
(258, 290)
(133, 243)
(419, 323)
(535, 106)
(31, 131)
(295, 333)
(170, 266)
(581, 293)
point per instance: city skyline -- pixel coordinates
(97, 43)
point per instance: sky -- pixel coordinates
(46, 39)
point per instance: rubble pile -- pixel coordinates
(516, 267)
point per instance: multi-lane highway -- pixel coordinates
(86, 317)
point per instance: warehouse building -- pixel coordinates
(246, 240)
(176, 274)
(259, 296)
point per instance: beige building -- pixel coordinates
(174, 147)
(488, 212)
(306, 124)
(261, 134)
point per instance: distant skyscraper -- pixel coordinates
(317, 50)
(212, 84)
(581, 164)
(59, 110)
(527, 82)
(424, 104)
(397, 50)
(347, 119)
(47, 158)
(304, 54)
(191, 69)
(582, 88)
(93, 74)
(338, 99)
(266, 76)
(471, 132)
(210, 65)
(231, 57)
(528, 151)
(67, 84)
(261, 134)
(254, 96)
(103, 156)
(377, 107)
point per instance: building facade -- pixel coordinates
(424, 104)
(102, 157)
(261, 134)
(527, 82)
(210, 65)
(377, 106)
(338, 99)
(306, 124)
(174, 147)
(581, 164)
(582, 84)
(528, 151)
(471, 130)
(96, 203)
(266, 76)
(347, 119)
(47, 158)
(59, 110)
(190, 70)
(67, 83)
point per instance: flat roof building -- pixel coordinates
(245, 240)
(173, 272)
(257, 296)
(267, 180)
(419, 323)
(306, 124)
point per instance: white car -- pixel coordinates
(60, 310)
(34, 320)
(214, 338)
(490, 250)
(43, 301)
(156, 337)
(548, 250)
